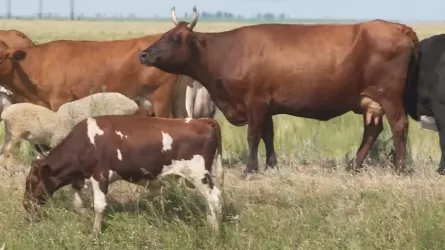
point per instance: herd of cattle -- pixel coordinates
(251, 73)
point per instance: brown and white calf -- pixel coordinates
(138, 149)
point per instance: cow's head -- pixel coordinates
(38, 186)
(7, 57)
(175, 48)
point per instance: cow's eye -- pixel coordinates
(176, 39)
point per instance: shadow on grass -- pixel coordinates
(176, 203)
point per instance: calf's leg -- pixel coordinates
(195, 172)
(100, 201)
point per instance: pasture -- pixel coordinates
(310, 202)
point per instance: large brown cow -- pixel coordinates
(141, 150)
(53, 73)
(312, 71)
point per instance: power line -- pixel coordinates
(72, 9)
(40, 9)
(8, 7)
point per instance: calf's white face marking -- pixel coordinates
(167, 141)
(93, 129)
(119, 133)
(119, 155)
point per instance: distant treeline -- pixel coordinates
(204, 16)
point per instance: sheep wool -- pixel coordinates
(107, 103)
(33, 123)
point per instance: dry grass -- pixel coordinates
(309, 203)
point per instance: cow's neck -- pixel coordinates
(63, 172)
(207, 69)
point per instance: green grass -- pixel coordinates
(311, 202)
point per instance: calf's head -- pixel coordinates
(38, 186)
(175, 48)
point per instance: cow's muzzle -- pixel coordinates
(147, 58)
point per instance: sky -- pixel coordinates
(406, 10)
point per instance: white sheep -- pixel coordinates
(106, 103)
(42, 126)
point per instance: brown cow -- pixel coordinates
(137, 149)
(57, 72)
(312, 71)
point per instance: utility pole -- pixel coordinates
(72, 9)
(8, 7)
(40, 9)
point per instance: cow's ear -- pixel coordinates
(198, 41)
(45, 171)
(18, 55)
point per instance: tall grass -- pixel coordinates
(309, 202)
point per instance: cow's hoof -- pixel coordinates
(247, 175)
(441, 171)
(406, 172)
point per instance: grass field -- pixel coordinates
(311, 202)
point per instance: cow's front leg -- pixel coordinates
(255, 120)
(268, 136)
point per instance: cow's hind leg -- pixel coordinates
(268, 136)
(398, 122)
(373, 126)
(439, 117)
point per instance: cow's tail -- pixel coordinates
(219, 170)
(412, 79)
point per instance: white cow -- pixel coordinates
(192, 100)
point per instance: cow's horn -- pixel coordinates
(175, 19)
(194, 18)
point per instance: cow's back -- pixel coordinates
(302, 69)
(66, 70)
